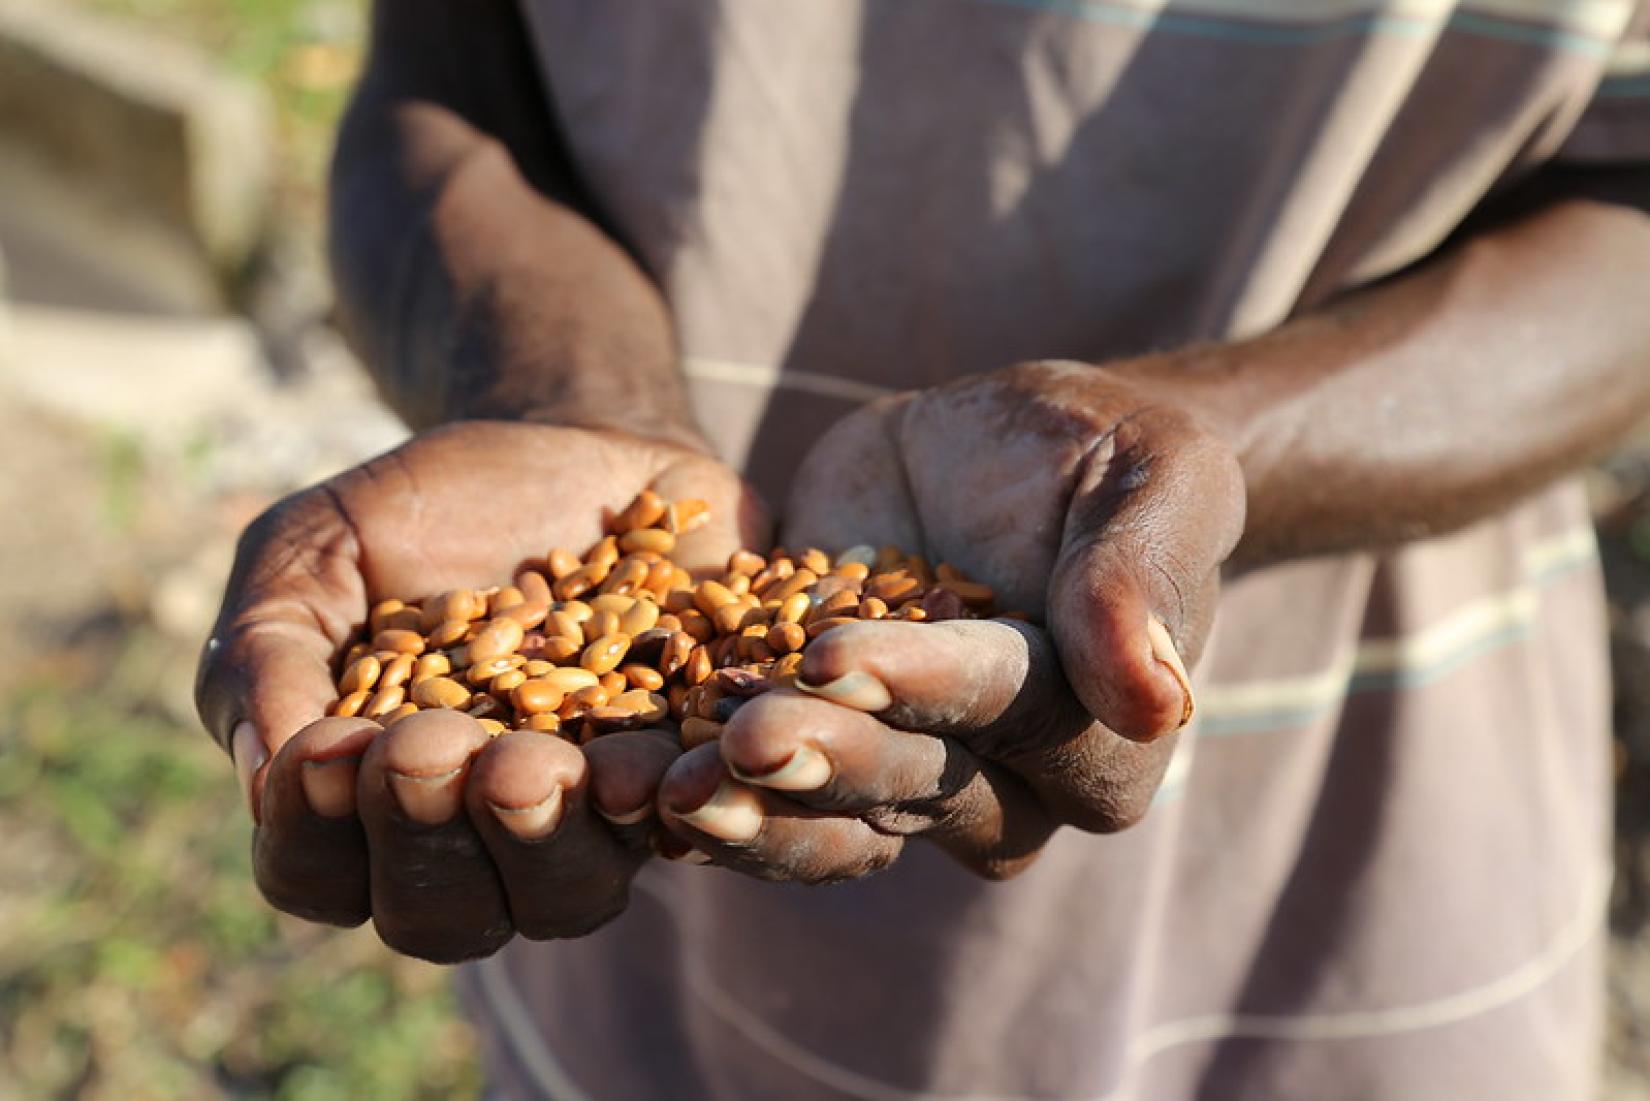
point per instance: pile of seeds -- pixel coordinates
(624, 637)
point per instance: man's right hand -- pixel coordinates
(449, 841)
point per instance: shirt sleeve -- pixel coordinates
(1614, 128)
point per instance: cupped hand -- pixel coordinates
(1093, 505)
(449, 841)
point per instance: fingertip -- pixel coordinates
(250, 755)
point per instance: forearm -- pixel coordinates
(1425, 403)
(471, 275)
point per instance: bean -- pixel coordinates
(603, 554)
(892, 588)
(350, 706)
(645, 511)
(677, 649)
(499, 637)
(492, 726)
(506, 681)
(627, 577)
(642, 676)
(697, 626)
(604, 653)
(384, 701)
(655, 540)
(397, 672)
(746, 562)
(380, 612)
(431, 665)
(600, 625)
(450, 633)
(561, 562)
(972, 593)
(363, 673)
(399, 639)
(685, 516)
(641, 616)
(651, 706)
(507, 597)
(560, 649)
(872, 607)
(527, 613)
(815, 560)
(441, 692)
(537, 667)
(830, 623)
(698, 665)
(544, 724)
(398, 714)
(613, 683)
(482, 672)
(534, 586)
(786, 637)
(710, 596)
(580, 581)
(535, 697)
(570, 680)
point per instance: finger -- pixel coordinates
(762, 833)
(265, 671)
(563, 870)
(435, 892)
(625, 771)
(309, 855)
(1156, 509)
(997, 688)
(833, 759)
(737, 517)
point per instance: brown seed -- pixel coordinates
(559, 649)
(645, 511)
(656, 540)
(843, 603)
(431, 665)
(580, 581)
(798, 582)
(507, 597)
(483, 672)
(441, 692)
(410, 618)
(730, 618)
(698, 665)
(464, 604)
(668, 622)
(872, 608)
(608, 719)
(534, 586)
(617, 603)
(577, 703)
(398, 671)
(785, 670)
(384, 701)
(677, 649)
(651, 706)
(604, 553)
(613, 683)
(527, 613)
(538, 667)
(351, 705)
(793, 608)
(577, 609)
(380, 612)
(712, 595)
(658, 578)
(400, 640)
(853, 571)
(678, 601)
(820, 626)
(605, 653)
(363, 673)
(544, 724)
(888, 558)
(641, 617)
(535, 697)
(697, 732)
(561, 625)
(912, 612)
(492, 726)
(643, 676)
(501, 636)
(972, 593)
(786, 637)
(892, 589)
(746, 562)
(600, 625)
(697, 626)
(561, 562)
(686, 515)
(450, 633)
(355, 653)
(506, 681)
(570, 680)
(736, 583)
(816, 560)
(627, 577)
(484, 707)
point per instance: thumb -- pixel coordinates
(1156, 510)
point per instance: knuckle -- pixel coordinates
(444, 945)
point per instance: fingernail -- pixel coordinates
(330, 786)
(248, 752)
(858, 690)
(534, 822)
(429, 800)
(807, 770)
(733, 813)
(1163, 649)
(629, 818)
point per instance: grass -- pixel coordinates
(139, 960)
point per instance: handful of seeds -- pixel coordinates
(624, 637)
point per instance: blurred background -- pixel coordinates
(167, 369)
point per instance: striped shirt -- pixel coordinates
(1378, 865)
